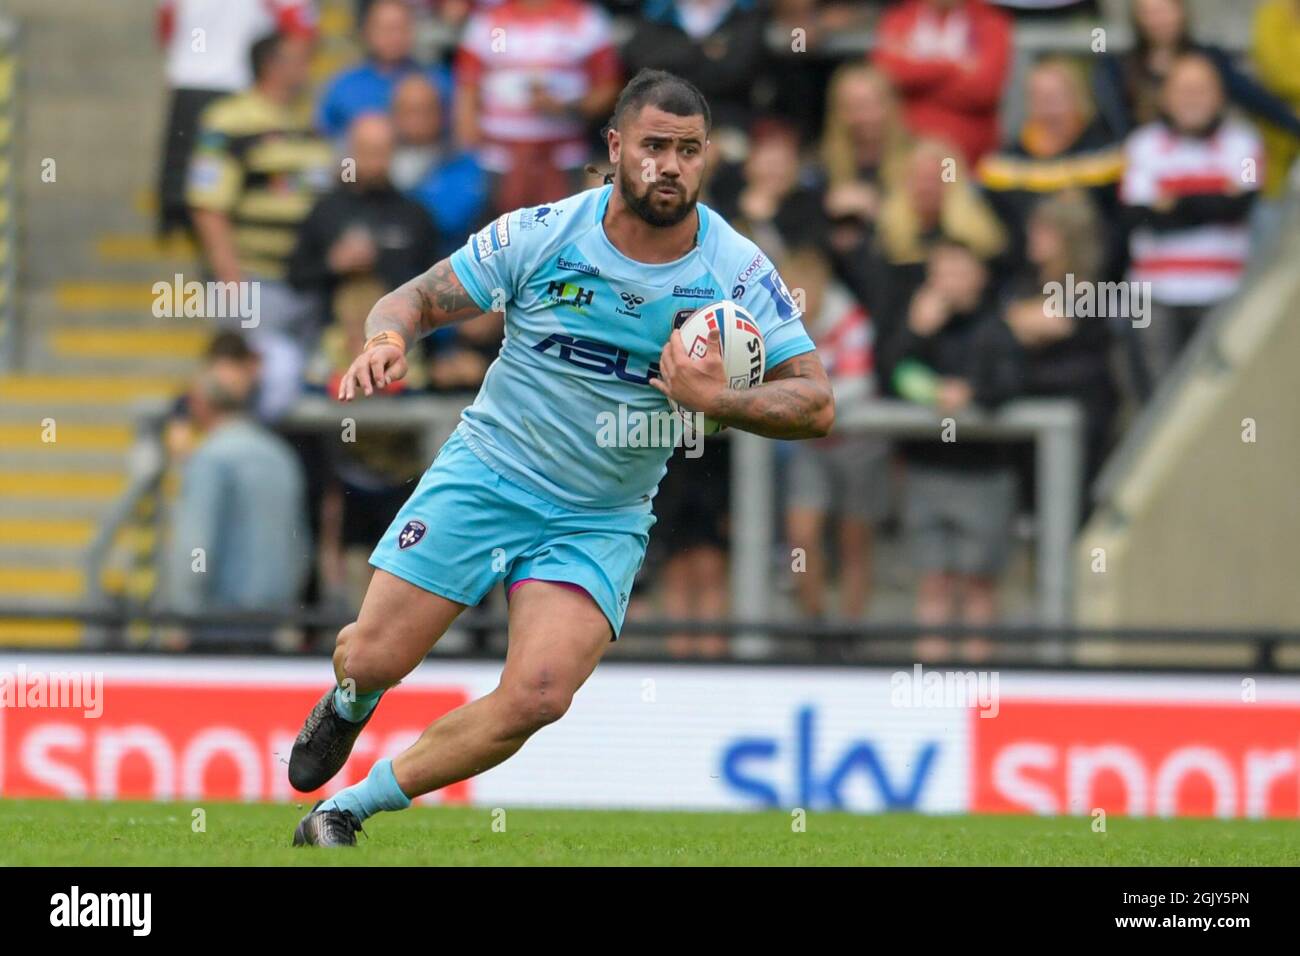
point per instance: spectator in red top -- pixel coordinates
(531, 77)
(948, 60)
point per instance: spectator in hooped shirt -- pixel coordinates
(257, 170)
(948, 59)
(1190, 180)
(526, 105)
(1061, 145)
(199, 74)
(1129, 85)
(389, 36)
(447, 182)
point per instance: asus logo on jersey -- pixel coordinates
(566, 293)
(600, 357)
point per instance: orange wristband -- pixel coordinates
(385, 338)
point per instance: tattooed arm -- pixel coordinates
(794, 401)
(399, 320)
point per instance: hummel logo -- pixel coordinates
(630, 304)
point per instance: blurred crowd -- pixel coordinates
(941, 260)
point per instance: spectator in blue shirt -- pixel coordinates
(446, 182)
(389, 35)
(240, 540)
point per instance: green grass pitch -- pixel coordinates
(37, 832)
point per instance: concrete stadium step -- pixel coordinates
(31, 487)
(51, 506)
(118, 248)
(175, 367)
(90, 264)
(16, 556)
(36, 583)
(139, 294)
(40, 584)
(93, 394)
(124, 251)
(117, 323)
(135, 297)
(61, 542)
(70, 462)
(65, 412)
(64, 438)
(43, 534)
(130, 345)
(19, 632)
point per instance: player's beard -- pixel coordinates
(643, 205)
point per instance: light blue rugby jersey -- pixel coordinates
(584, 327)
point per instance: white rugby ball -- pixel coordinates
(743, 354)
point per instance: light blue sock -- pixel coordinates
(355, 711)
(379, 791)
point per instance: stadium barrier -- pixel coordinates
(1053, 425)
(481, 632)
(706, 737)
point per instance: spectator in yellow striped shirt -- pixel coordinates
(256, 172)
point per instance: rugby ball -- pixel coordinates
(743, 353)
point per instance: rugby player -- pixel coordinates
(522, 492)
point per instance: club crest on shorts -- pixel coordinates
(411, 534)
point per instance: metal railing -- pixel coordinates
(1053, 425)
(821, 643)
